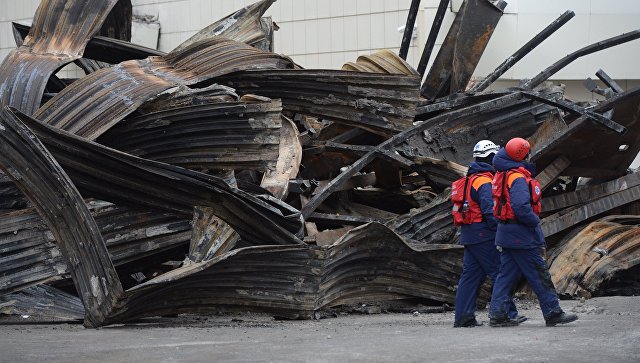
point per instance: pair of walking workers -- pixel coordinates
(497, 206)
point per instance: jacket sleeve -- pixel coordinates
(521, 203)
(484, 197)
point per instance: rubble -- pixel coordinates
(222, 176)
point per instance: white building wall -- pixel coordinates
(328, 33)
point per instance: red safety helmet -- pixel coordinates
(517, 148)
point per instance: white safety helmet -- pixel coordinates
(484, 148)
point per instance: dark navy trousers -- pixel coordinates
(530, 263)
(481, 260)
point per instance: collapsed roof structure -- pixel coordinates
(222, 176)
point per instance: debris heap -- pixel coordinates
(221, 176)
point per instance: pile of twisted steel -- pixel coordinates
(222, 176)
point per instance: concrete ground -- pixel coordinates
(608, 331)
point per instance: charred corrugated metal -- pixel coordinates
(245, 25)
(378, 102)
(211, 136)
(590, 262)
(103, 98)
(29, 253)
(117, 177)
(53, 41)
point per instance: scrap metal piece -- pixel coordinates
(382, 103)
(589, 193)
(604, 77)
(383, 61)
(614, 151)
(244, 25)
(276, 180)
(430, 224)
(296, 281)
(219, 136)
(100, 48)
(29, 254)
(433, 34)
(462, 48)
(95, 103)
(38, 175)
(43, 304)
(563, 220)
(211, 236)
(552, 172)
(114, 176)
(581, 269)
(408, 29)
(592, 48)
(53, 41)
(523, 51)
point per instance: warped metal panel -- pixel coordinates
(297, 281)
(462, 48)
(95, 103)
(611, 155)
(60, 32)
(114, 176)
(101, 48)
(373, 263)
(29, 254)
(229, 135)
(57, 200)
(594, 256)
(46, 302)
(429, 224)
(378, 102)
(244, 25)
(384, 61)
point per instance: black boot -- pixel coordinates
(520, 319)
(560, 317)
(505, 321)
(467, 322)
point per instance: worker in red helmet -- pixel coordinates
(473, 212)
(516, 197)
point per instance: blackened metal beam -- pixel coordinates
(604, 77)
(433, 34)
(592, 48)
(524, 50)
(408, 29)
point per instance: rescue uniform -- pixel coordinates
(522, 243)
(481, 258)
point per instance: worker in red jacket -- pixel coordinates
(516, 196)
(473, 212)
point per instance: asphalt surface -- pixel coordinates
(608, 331)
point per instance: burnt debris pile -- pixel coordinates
(222, 176)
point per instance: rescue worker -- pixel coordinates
(473, 212)
(516, 196)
